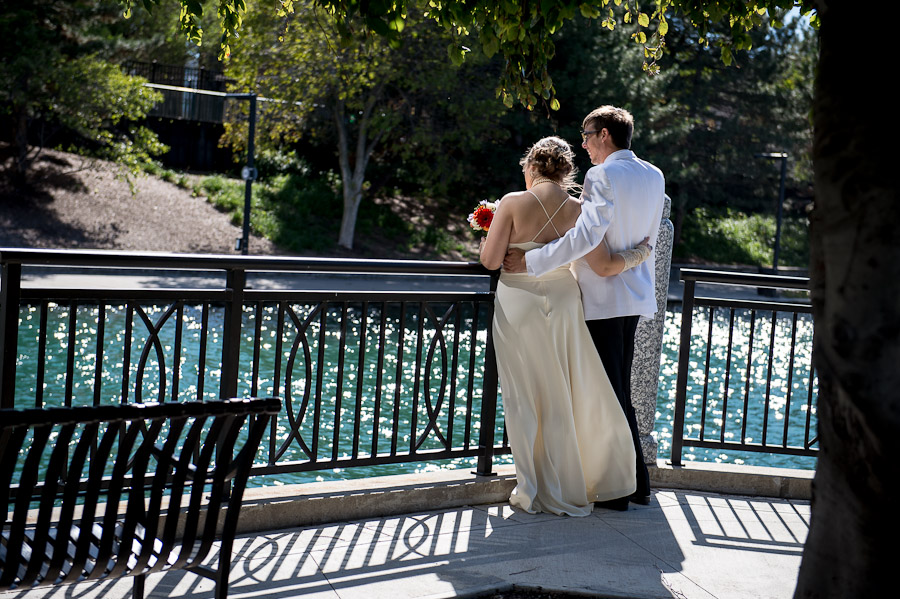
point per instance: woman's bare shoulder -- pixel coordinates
(515, 199)
(516, 196)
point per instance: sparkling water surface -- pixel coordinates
(78, 344)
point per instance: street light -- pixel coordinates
(249, 172)
(783, 156)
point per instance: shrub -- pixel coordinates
(732, 237)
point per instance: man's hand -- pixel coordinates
(514, 260)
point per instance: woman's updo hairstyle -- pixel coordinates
(552, 157)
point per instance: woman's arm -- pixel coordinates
(606, 265)
(493, 247)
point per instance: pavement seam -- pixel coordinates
(675, 569)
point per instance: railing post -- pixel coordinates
(684, 355)
(10, 293)
(231, 335)
(488, 395)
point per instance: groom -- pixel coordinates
(622, 203)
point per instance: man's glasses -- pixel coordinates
(586, 134)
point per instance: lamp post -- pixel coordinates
(783, 156)
(248, 173)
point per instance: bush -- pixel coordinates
(732, 237)
(296, 211)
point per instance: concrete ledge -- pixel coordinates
(733, 479)
(273, 508)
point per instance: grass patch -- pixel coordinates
(299, 211)
(732, 237)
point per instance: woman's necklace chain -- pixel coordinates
(540, 180)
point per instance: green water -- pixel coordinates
(784, 374)
(405, 388)
(402, 385)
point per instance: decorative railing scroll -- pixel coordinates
(366, 377)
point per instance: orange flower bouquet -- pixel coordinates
(481, 217)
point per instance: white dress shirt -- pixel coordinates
(622, 201)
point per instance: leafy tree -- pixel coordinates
(54, 83)
(855, 254)
(364, 98)
(716, 119)
(156, 35)
(700, 121)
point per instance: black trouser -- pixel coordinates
(614, 340)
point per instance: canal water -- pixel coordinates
(83, 339)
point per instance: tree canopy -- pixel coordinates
(521, 32)
(362, 100)
(56, 88)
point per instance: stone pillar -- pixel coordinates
(648, 342)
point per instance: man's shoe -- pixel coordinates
(639, 499)
(619, 505)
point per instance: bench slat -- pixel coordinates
(155, 453)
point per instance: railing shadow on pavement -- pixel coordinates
(748, 524)
(684, 544)
(460, 551)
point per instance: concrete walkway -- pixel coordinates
(686, 544)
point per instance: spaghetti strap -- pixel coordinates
(549, 216)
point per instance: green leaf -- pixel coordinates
(643, 20)
(663, 27)
(194, 7)
(456, 54)
(378, 26)
(554, 104)
(490, 46)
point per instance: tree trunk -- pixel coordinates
(352, 199)
(855, 277)
(20, 143)
(352, 178)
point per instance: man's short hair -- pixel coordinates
(617, 121)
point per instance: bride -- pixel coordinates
(570, 441)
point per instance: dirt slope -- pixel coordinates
(72, 202)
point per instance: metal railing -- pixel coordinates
(196, 77)
(181, 103)
(763, 400)
(367, 377)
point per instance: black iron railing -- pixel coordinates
(367, 377)
(181, 103)
(178, 75)
(746, 380)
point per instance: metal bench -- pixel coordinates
(124, 490)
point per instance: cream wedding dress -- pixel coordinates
(570, 441)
